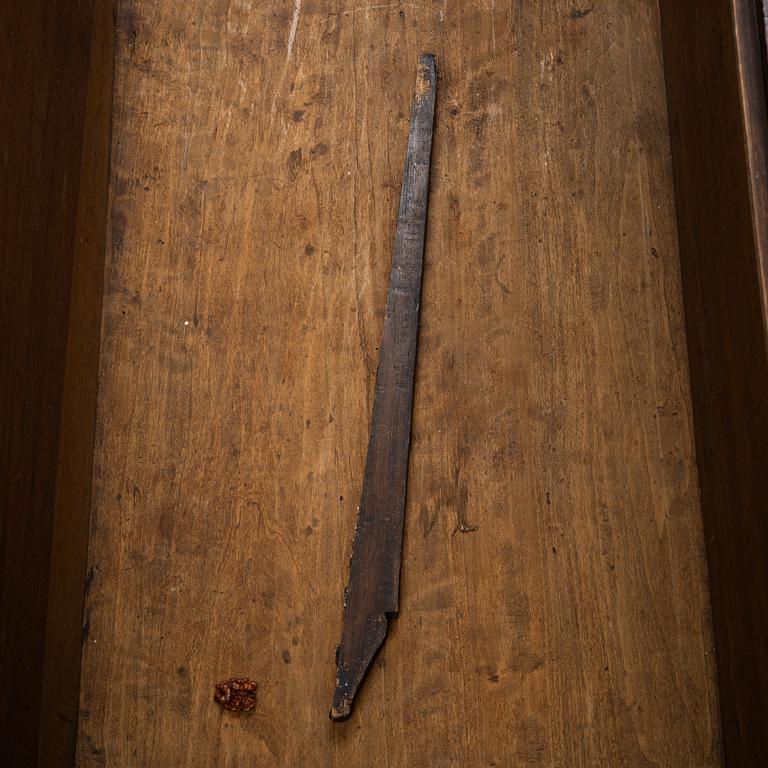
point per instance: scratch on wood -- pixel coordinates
(362, 9)
(577, 14)
(294, 25)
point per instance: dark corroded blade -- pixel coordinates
(372, 596)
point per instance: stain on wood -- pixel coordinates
(371, 598)
(551, 403)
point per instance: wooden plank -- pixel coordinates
(719, 124)
(55, 99)
(74, 467)
(554, 610)
(372, 597)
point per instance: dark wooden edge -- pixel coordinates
(717, 114)
(763, 23)
(65, 632)
(56, 95)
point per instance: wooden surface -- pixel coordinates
(553, 604)
(719, 128)
(55, 99)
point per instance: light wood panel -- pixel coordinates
(554, 608)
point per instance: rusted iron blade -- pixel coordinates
(371, 598)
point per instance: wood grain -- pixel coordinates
(55, 101)
(719, 140)
(554, 608)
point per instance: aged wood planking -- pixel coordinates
(553, 605)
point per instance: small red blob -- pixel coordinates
(238, 694)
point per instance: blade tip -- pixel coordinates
(341, 712)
